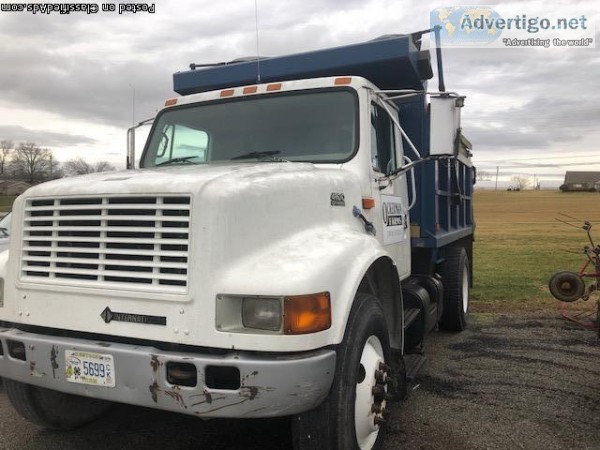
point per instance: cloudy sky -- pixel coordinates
(68, 82)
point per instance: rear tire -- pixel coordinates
(456, 280)
(52, 409)
(352, 417)
(566, 286)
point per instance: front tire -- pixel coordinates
(52, 409)
(353, 415)
(456, 280)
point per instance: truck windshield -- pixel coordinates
(317, 126)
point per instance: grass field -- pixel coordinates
(520, 244)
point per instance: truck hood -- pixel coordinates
(176, 179)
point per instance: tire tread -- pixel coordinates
(453, 316)
(52, 409)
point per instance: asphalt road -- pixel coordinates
(508, 382)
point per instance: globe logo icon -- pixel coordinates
(466, 25)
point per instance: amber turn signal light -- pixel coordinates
(307, 313)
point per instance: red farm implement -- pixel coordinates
(568, 287)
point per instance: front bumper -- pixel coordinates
(270, 384)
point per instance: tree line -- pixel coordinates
(517, 182)
(29, 162)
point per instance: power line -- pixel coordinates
(543, 157)
(526, 166)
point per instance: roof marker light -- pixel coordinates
(273, 87)
(343, 80)
(250, 89)
(171, 102)
(227, 92)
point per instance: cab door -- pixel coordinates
(390, 214)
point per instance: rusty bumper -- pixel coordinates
(269, 385)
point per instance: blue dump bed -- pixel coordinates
(443, 212)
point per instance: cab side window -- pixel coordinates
(383, 140)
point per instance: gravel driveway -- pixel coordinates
(508, 382)
(528, 381)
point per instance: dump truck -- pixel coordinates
(293, 229)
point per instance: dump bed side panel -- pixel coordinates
(443, 212)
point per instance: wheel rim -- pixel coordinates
(567, 288)
(369, 404)
(465, 289)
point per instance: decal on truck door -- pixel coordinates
(395, 219)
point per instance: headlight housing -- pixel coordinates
(296, 314)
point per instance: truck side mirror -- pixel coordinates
(130, 163)
(445, 125)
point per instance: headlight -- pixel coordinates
(261, 313)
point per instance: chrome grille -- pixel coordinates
(133, 241)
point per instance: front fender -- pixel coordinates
(324, 258)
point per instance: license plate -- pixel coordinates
(89, 368)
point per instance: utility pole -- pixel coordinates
(497, 171)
